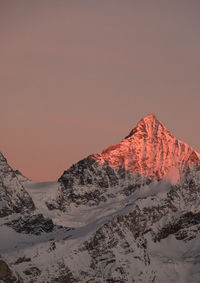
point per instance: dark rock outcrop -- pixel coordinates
(6, 274)
(13, 197)
(32, 224)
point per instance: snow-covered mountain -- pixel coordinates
(149, 150)
(148, 154)
(129, 214)
(13, 197)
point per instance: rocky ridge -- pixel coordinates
(13, 197)
(146, 155)
(149, 150)
(129, 222)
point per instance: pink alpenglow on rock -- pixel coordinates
(150, 150)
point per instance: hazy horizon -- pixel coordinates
(76, 77)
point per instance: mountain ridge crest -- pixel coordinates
(149, 150)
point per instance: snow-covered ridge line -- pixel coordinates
(119, 225)
(149, 150)
(149, 153)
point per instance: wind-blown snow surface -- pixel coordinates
(41, 192)
(150, 152)
(149, 236)
(129, 214)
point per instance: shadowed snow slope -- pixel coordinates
(150, 236)
(147, 154)
(130, 214)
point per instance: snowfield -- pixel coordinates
(129, 214)
(53, 253)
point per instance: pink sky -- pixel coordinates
(77, 76)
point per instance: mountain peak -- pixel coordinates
(149, 150)
(148, 126)
(150, 121)
(150, 117)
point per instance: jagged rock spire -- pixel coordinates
(149, 150)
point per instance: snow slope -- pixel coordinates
(151, 236)
(149, 153)
(129, 214)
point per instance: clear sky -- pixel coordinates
(76, 76)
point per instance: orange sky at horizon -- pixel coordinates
(77, 76)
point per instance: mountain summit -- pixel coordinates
(148, 126)
(149, 150)
(121, 221)
(149, 153)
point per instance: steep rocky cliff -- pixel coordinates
(13, 197)
(130, 214)
(148, 154)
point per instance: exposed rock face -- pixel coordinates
(32, 224)
(154, 238)
(6, 275)
(149, 150)
(13, 196)
(89, 183)
(129, 223)
(122, 246)
(21, 177)
(147, 154)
